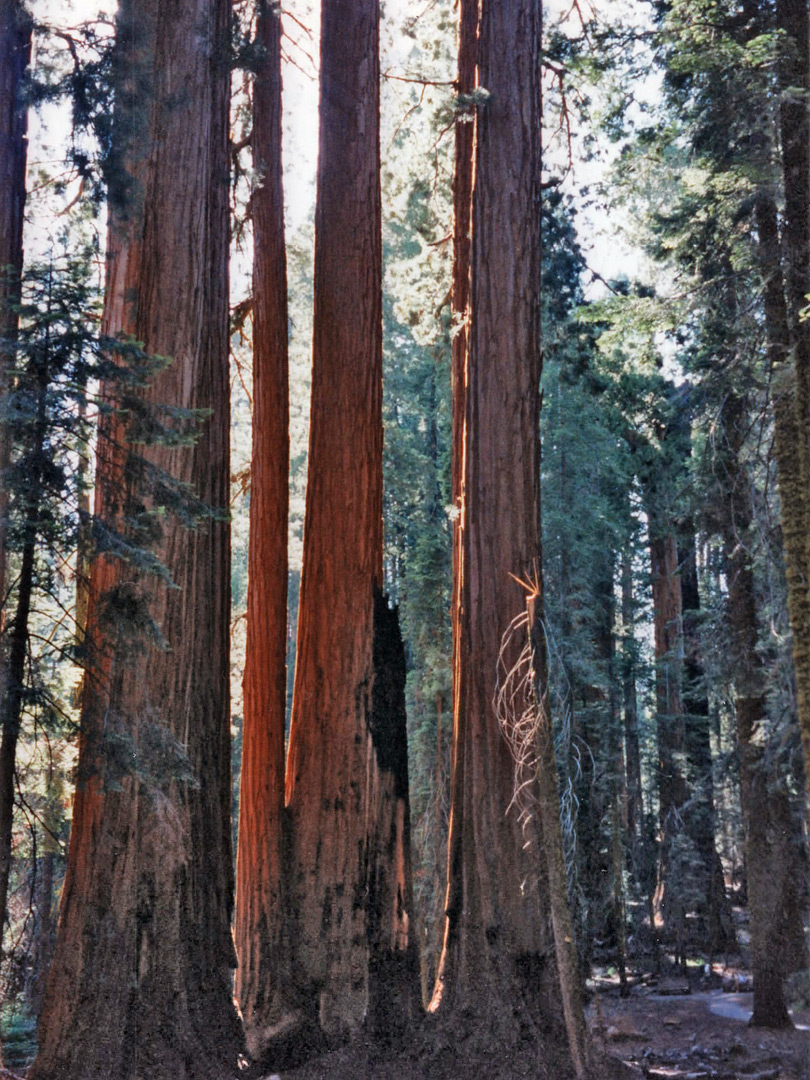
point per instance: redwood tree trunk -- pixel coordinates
(263, 976)
(140, 984)
(497, 944)
(334, 761)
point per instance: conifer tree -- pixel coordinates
(262, 980)
(346, 781)
(141, 978)
(498, 946)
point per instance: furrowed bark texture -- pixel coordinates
(498, 949)
(328, 757)
(262, 978)
(141, 980)
(769, 861)
(794, 79)
(15, 54)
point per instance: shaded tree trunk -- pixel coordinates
(141, 978)
(498, 953)
(768, 858)
(15, 55)
(700, 816)
(263, 977)
(632, 749)
(793, 451)
(394, 999)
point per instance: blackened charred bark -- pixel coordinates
(393, 960)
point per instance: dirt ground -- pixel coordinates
(663, 1036)
(672, 1037)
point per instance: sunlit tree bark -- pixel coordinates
(263, 975)
(140, 983)
(498, 954)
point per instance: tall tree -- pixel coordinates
(340, 754)
(498, 950)
(15, 53)
(263, 972)
(141, 978)
(794, 84)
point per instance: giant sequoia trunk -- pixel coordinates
(263, 975)
(141, 979)
(498, 954)
(338, 770)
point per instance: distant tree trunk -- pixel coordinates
(141, 981)
(632, 750)
(263, 987)
(770, 864)
(498, 954)
(670, 730)
(337, 776)
(700, 817)
(794, 462)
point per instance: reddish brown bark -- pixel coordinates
(263, 976)
(497, 945)
(334, 778)
(141, 978)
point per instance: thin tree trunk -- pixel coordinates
(700, 817)
(263, 978)
(794, 457)
(632, 750)
(142, 973)
(15, 55)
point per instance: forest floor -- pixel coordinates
(659, 1031)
